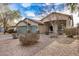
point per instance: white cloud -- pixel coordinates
(32, 14)
(57, 3)
(26, 4)
(29, 13)
(54, 3)
(36, 18)
(65, 12)
(47, 3)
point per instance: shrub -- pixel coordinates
(28, 35)
(28, 38)
(11, 31)
(70, 32)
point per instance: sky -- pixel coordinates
(34, 10)
(39, 10)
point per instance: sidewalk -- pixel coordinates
(5, 36)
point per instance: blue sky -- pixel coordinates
(35, 10)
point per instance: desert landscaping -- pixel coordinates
(46, 46)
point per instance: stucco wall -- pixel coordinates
(42, 28)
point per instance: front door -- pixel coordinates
(51, 29)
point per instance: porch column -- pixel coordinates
(55, 28)
(68, 24)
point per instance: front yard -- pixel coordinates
(45, 46)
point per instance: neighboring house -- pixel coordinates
(27, 23)
(11, 24)
(54, 22)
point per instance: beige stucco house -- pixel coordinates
(27, 21)
(52, 23)
(56, 22)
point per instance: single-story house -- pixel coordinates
(28, 24)
(56, 22)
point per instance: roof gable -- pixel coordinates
(32, 20)
(56, 13)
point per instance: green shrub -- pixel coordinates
(70, 32)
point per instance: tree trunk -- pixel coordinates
(4, 25)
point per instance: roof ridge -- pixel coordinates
(55, 13)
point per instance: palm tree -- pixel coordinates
(72, 7)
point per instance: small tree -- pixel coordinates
(8, 16)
